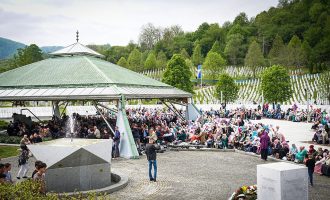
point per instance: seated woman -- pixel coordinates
(317, 138)
(292, 153)
(224, 140)
(315, 125)
(276, 147)
(325, 169)
(318, 166)
(181, 136)
(300, 156)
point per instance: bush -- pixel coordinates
(29, 190)
(3, 125)
(10, 139)
(16, 139)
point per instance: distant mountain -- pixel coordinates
(9, 47)
(48, 49)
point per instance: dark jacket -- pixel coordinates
(310, 163)
(151, 151)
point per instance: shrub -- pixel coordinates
(10, 139)
(3, 125)
(29, 190)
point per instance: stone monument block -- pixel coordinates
(75, 164)
(282, 181)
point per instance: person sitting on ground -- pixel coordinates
(292, 153)
(300, 156)
(317, 138)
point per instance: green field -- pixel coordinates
(8, 151)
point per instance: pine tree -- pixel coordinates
(254, 57)
(277, 52)
(295, 52)
(161, 60)
(150, 62)
(216, 47)
(213, 65)
(122, 62)
(134, 60)
(197, 58)
(184, 53)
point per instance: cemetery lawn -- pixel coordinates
(8, 151)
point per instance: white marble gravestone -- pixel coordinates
(75, 165)
(282, 181)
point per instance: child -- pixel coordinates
(8, 173)
(40, 176)
(36, 164)
(310, 164)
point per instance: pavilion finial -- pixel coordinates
(77, 35)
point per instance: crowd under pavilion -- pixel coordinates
(78, 73)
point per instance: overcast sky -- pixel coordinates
(54, 22)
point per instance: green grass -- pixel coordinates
(8, 151)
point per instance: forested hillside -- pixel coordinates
(296, 33)
(8, 48)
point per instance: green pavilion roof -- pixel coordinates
(73, 71)
(79, 76)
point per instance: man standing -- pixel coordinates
(151, 156)
(116, 141)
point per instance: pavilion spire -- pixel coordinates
(77, 35)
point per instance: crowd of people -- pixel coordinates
(222, 128)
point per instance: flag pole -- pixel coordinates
(201, 77)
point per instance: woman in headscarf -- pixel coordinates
(300, 156)
(292, 153)
(264, 143)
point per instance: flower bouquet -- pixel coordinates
(245, 192)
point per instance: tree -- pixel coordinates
(324, 88)
(277, 54)
(276, 85)
(197, 58)
(150, 62)
(295, 52)
(228, 87)
(216, 47)
(134, 60)
(122, 62)
(184, 53)
(233, 48)
(161, 60)
(27, 55)
(213, 65)
(149, 36)
(254, 57)
(178, 74)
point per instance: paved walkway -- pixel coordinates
(295, 132)
(197, 175)
(190, 175)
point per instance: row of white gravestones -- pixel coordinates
(248, 90)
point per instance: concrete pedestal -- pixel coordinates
(282, 181)
(75, 165)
